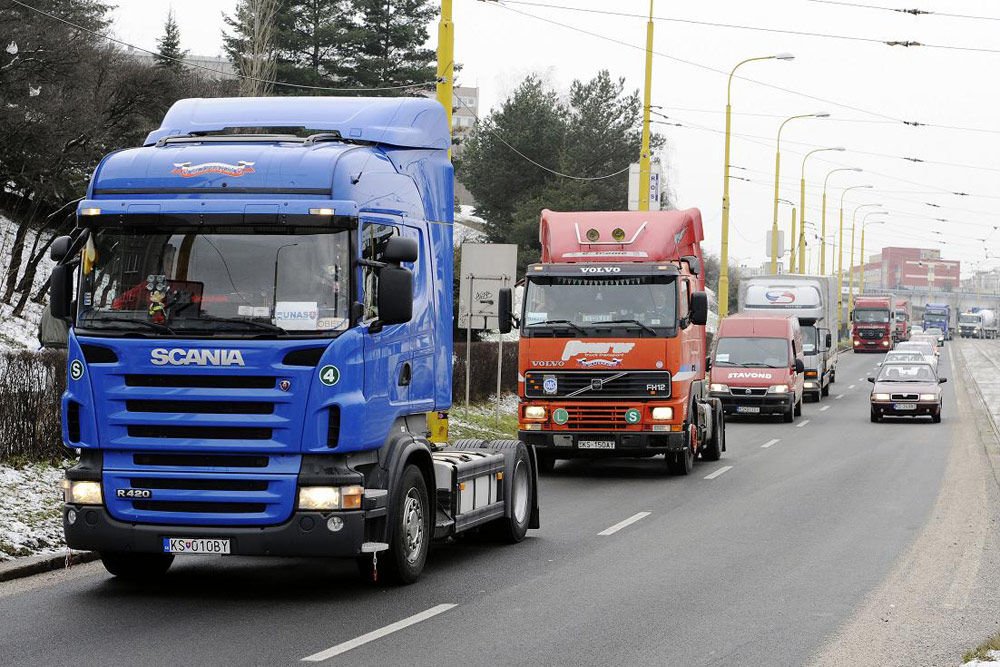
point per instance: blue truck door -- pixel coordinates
(422, 386)
(388, 369)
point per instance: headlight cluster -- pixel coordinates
(663, 414)
(535, 412)
(928, 397)
(718, 387)
(777, 389)
(880, 397)
(331, 497)
(76, 492)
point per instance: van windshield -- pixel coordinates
(752, 352)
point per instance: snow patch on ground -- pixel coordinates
(994, 657)
(31, 520)
(20, 332)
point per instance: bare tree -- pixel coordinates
(259, 60)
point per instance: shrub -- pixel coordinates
(31, 385)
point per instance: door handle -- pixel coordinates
(405, 375)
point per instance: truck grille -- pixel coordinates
(598, 385)
(201, 381)
(871, 334)
(596, 418)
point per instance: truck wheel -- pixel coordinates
(513, 528)
(717, 443)
(546, 463)
(411, 530)
(136, 567)
(680, 463)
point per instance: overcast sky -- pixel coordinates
(498, 45)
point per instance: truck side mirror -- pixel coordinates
(699, 308)
(505, 309)
(60, 248)
(61, 292)
(399, 249)
(799, 366)
(395, 295)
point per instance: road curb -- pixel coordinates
(31, 565)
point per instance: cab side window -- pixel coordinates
(683, 300)
(374, 237)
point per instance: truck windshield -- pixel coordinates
(871, 316)
(588, 306)
(969, 319)
(752, 352)
(216, 280)
(810, 340)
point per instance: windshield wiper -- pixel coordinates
(267, 326)
(566, 322)
(162, 328)
(756, 365)
(636, 322)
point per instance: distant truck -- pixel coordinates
(902, 320)
(938, 315)
(612, 349)
(758, 366)
(872, 328)
(978, 323)
(813, 300)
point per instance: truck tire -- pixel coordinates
(513, 528)
(411, 536)
(136, 567)
(680, 463)
(712, 451)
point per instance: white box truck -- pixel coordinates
(813, 299)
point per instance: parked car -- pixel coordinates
(906, 390)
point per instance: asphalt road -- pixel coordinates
(755, 559)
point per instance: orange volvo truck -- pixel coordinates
(612, 349)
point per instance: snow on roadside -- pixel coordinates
(31, 521)
(20, 332)
(993, 658)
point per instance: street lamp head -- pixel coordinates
(838, 148)
(784, 56)
(822, 114)
(857, 169)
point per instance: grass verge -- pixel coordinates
(982, 652)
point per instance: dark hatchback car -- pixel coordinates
(906, 390)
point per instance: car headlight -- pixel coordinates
(535, 412)
(663, 414)
(928, 397)
(718, 387)
(82, 492)
(880, 397)
(777, 389)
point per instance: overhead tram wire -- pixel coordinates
(842, 105)
(244, 77)
(737, 26)
(911, 11)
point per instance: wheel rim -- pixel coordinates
(413, 525)
(519, 492)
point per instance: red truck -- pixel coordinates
(872, 327)
(612, 348)
(902, 320)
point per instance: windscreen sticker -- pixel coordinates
(297, 315)
(535, 318)
(253, 311)
(722, 356)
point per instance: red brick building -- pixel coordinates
(912, 268)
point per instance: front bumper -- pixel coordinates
(770, 404)
(305, 534)
(877, 345)
(922, 410)
(566, 444)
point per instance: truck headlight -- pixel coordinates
(777, 389)
(662, 414)
(331, 497)
(718, 387)
(857, 342)
(880, 397)
(885, 343)
(928, 397)
(535, 412)
(82, 493)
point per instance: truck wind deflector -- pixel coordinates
(587, 241)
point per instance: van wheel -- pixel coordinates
(798, 407)
(789, 415)
(825, 391)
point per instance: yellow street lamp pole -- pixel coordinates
(822, 256)
(840, 255)
(777, 195)
(446, 62)
(854, 224)
(802, 206)
(864, 224)
(724, 251)
(644, 157)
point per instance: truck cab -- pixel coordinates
(758, 365)
(872, 324)
(938, 316)
(902, 320)
(261, 323)
(612, 348)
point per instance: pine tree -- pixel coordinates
(170, 55)
(388, 41)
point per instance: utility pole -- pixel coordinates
(446, 63)
(644, 157)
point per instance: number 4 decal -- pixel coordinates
(329, 375)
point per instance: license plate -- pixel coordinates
(748, 409)
(904, 406)
(195, 545)
(597, 444)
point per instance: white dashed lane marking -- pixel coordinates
(623, 524)
(378, 634)
(770, 443)
(718, 472)
(824, 408)
(802, 423)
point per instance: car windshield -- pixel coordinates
(752, 352)
(906, 373)
(871, 316)
(922, 348)
(903, 356)
(587, 306)
(215, 280)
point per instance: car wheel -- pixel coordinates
(936, 417)
(875, 416)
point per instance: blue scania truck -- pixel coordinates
(260, 302)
